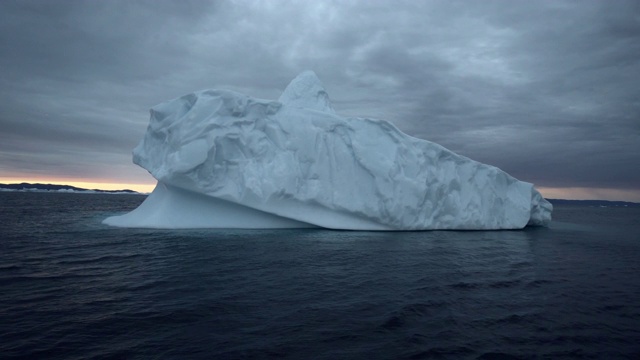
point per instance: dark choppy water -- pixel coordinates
(71, 288)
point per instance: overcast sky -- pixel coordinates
(548, 91)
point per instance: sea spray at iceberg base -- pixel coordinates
(226, 160)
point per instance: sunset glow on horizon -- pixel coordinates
(100, 184)
(581, 193)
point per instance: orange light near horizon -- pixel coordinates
(582, 193)
(100, 184)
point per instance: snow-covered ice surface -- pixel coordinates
(226, 160)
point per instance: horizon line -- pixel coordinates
(558, 193)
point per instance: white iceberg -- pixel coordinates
(226, 160)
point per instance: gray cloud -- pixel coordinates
(545, 90)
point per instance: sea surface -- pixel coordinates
(72, 288)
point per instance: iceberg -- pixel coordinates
(226, 160)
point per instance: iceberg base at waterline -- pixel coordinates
(226, 160)
(169, 207)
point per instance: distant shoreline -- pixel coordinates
(603, 203)
(37, 187)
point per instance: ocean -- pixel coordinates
(72, 288)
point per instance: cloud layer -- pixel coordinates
(546, 90)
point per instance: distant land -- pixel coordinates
(596, 203)
(28, 187)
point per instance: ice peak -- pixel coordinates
(306, 91)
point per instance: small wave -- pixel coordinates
(506, 321)
(98, 259)
(442, 352)
(393, 322)
(538, 283)
(499, 356)
(610, 307)
(521, 264)
(466, 285)
(505, 284)
(411, 312)
(10, 267)
(566, 226)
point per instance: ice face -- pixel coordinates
(229, 160)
